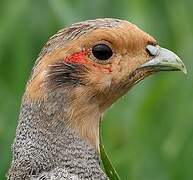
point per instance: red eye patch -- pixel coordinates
(79, 57)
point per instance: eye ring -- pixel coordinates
(102, 52)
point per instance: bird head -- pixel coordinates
(83, 69)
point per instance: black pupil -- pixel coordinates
(102, 51)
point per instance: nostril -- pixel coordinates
(152, 50)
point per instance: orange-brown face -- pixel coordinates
(94, 63)
(101, 58)
(104, 58)
(111, 56)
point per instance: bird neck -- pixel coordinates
(45, 139)
(76, 108)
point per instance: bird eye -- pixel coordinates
(102, 52)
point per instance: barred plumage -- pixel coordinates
(71, 87)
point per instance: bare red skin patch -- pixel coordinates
(81, 57)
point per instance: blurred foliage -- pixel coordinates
(148, 134)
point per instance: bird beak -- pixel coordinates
(163, 60)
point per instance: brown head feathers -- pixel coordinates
(95, 60)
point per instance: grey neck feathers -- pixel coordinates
(44, 141)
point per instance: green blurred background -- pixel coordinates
(149, 133)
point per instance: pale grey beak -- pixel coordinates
(163, 60)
